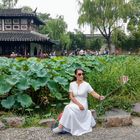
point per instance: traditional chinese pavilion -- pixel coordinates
(18, 34)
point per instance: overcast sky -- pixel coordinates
(67, 8)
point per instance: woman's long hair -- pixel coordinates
(75, 72)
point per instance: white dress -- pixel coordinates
(74, 120)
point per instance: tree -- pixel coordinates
(134, 27)
(65, 41)
(44, 17)
(134, 19)
(119, 38)
(27, 9)
(9, 3)
(54, 28)
(78, 40)
(103, 15)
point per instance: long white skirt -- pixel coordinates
(76, 121)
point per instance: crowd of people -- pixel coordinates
(87, 52)
(76, 52)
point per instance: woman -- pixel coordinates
(76, 118)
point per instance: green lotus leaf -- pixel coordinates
(61, 80)
(12, 80)
(23, 84)
(53, 86)
(9, 102)
(35, 84)
(58, 95)
(43, 81)
(24, 99)
(5, 87)
(41, 73)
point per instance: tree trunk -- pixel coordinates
(108, 40)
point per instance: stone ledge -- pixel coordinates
(93, 112)
(136, 121)
(2, 126)
(136, 109)
(116, 118)
(13, 121)
(47, 122)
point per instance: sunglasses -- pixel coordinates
(79, 74)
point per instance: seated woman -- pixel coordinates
(76, 118)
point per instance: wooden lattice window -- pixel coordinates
(16, 27)
(8, 21)
(23, 21)
(24, 27)
(15, 21)
(8, 27)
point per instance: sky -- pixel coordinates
(67, 8)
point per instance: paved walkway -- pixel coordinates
(99, 133)
(118, 133)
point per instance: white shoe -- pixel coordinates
(57, 130)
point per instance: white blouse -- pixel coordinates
(80, 92)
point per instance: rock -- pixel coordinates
(136, 121)
(117, 118)
(2, 126)
(2, 113)
(14, 121)
(93, 112)
(47, 122)
(136, 109)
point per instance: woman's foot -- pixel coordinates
(57, 130)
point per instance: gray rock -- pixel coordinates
(2, 126)
(93, 113)
(136, 109)
(117, 118)
(47, 122)
(14, 121)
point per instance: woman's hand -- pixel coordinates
(101, 98)
(81, 107)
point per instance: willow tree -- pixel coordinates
(103, 15)
(134, 19)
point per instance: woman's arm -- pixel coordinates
(75, 101)
(97, 96)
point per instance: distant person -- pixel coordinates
(13, 54)
(81, 52)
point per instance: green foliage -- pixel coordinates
(107, 80)
(9, 102)
(120, 39)
(103, 14)
(27, 9)
(78, 40)
(44, 82)
(134, 17)
(24, 99)
(54, 27)
(44, 17)
(9, 3)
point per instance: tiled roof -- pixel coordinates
(27, 36)
(14, 12)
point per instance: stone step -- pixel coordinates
(136, 121)
(136, 109)
(116, 118)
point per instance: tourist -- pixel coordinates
(76, 118)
